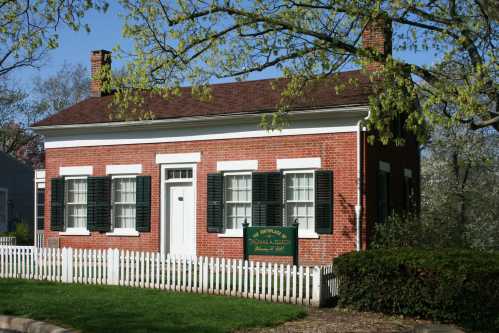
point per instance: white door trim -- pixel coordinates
(163, 207)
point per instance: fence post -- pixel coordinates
(69, 266)
(116, 267)
(317, 286)
(110, 264)
(64, 265)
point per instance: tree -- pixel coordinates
(19, 109)
(68, 86)
(28, 28)
(460, 187)
(15, 139)
(196, 41)
(460, 192)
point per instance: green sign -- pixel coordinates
(271, 241)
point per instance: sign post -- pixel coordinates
(271, 241)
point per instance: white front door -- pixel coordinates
(182, 225)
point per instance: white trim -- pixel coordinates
(232, 233)
(120, 169)
(40, 185)
(123, 232)
(164, 183)
(40, 175)
(308, 234)
(76, 171)
(75, 232)
(238, 233)
(237, 165)
(299, 163)
(178, 158)
(384, 166)
(340, 122)
(408, 173)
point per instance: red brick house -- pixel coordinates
(186, 181)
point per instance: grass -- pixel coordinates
(118, 309)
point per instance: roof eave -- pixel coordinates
(347, 110)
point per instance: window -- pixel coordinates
(237, 200)
(178, 174)
(76, 203)
(3, 208)
(383, 191)
(299, 199)
(40, 208)
(124, 202)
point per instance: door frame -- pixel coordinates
(163, 196)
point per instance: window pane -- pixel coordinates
(237, 200)
(76, 203)
(77, 190)
(178, 173)
(124, 190)
(124, 216)
(124, 198)
(300, 200)
(77, 216)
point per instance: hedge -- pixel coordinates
(459, 286)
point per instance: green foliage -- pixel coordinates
(180, 42)
(447, 285)
(106, 309)
(28, 29)
(22, 234)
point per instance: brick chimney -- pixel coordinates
(378, 35)
(98, 59)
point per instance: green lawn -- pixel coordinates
(119, 309)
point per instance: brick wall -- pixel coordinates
(337, 151)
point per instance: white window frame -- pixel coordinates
(235, 232)
(73, 231)
(125, 232)
(301, 233)
(6, 191)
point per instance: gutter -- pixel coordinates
(358, 206)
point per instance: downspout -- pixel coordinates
(358, 206)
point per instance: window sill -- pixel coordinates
(75, 232)
(307, 235)
(232, 234)
(239, 234)
(123, 233)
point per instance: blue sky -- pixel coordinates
(75, 47)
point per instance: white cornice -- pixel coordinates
(174, 122)
(340, 120)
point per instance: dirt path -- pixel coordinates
(341, 321)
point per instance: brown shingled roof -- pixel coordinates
(227, 98)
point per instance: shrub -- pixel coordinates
(22, 234)
(459, 286)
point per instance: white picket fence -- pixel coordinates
(7, 240)
(234, 277)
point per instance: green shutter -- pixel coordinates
(143, 206)
(324, 202)
(214, 214)
(57, 204)
(267, 199)
(99, 204)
